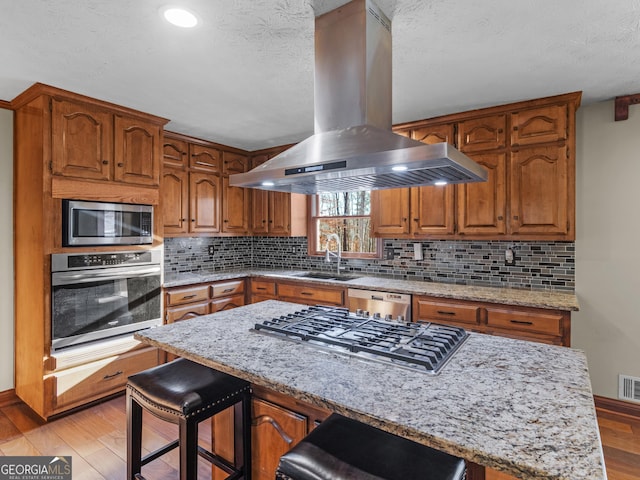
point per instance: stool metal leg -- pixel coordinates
(246, 435)
(134, 438)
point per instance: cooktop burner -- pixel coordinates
(421, 346)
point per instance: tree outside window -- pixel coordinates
(348, 215)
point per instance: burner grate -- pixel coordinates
(422, 346)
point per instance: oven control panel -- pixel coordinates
(64, 262)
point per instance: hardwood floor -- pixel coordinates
(95, 438)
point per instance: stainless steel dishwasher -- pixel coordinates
(389, 305)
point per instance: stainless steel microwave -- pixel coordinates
(101, 223)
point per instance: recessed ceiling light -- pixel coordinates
(180, 17)
(399, 168)
(267, 184)
(440, 182)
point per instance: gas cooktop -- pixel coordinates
(421, 346)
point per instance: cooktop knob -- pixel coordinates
(388, 316)
(365, 313)
(359, 312)
(376, 316)
(400, 318)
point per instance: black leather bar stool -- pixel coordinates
(185, 393)
(341, 448)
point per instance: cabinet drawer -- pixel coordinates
(447, 312)
(89, 381)
(226, 303)
(311, 294)
(538, 322)
(175, 314)
(263, 287)
(539, 125)
(180, 296)
(227, 288)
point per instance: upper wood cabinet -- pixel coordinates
(539, 125)
(175, 200)
(93, 142)
(542, 191)
(530, 190)
(206, 159)
(175, 153)
(235, 200)
(204, 203)
(276, 214)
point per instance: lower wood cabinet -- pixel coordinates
(78, 385)
(525, 323)
(182, 303)
(307, 293)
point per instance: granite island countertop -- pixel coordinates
(520, 407)
(507, 296)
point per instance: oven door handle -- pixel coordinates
(68, 278)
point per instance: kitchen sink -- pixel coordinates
(327, 276)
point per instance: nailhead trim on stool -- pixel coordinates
(185, 393)
(344, 449)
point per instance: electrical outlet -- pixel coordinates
(211, 250)
(388, 253)
(509, 257)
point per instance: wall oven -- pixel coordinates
(101, 295)
(102, 223)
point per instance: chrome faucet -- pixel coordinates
(328, 253)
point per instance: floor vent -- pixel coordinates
(629, 388)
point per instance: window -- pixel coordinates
(348, 215)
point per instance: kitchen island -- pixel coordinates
(519, 407)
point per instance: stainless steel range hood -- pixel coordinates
(353, 147)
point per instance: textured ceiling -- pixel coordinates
(244, 76)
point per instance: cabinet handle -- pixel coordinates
(261, 288)
(499, 130)
(193, 219)
(264, 221)
(521, 322)
(267, 419)
(187, 297)
(515, 217)
(515, 127)
(227, 290)
(183, 219)
(500, 217)
(404, 220)
(226, 221)
(113, 375)
(442, 312)
(416, 219)
(270, 221)
(306, 293)
(105, 162)
(121, 164)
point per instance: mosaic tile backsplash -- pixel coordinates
(538, 265)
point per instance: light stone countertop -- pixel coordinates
(520, 407)
(508, 296)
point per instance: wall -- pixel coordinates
(6, 249)
(607, 254)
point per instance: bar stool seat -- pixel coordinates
(185, 393)
(341, 448)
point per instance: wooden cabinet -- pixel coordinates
(204, 203)
(182, 303)
(542, 183)
(308, 293)
(94, 143)
(530, 191)
(525, 323)
(175, 200)
(275, 431)
(204, 159)
(69, 146)
(235, 200)
(276, 214)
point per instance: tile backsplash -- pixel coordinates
(538, 265)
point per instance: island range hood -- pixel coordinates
(353, 147)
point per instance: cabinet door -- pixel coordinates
(234, 163)
(540, 191)
(279, 213)
(204, 207)
(235, 206)
(479, 134)
(82, 140)
(205, 159)
(432, 210)
(539, 125)
(390, 211)
(175, 153)
(175, 200)
(434, 134)
(275, 431)
(138, 151)
(482, 205)
(259, 211)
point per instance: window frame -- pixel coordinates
(313, 243)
